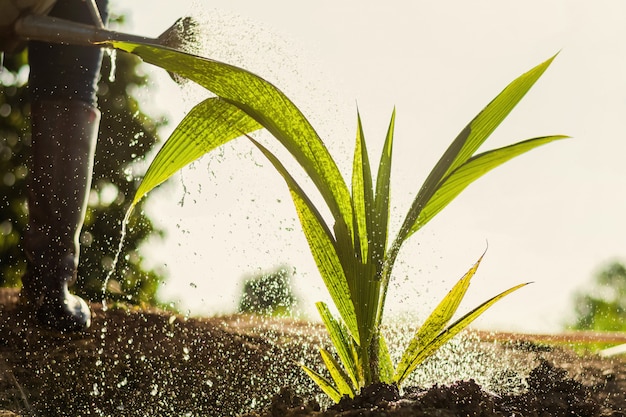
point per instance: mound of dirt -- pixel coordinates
(135, 362)
(550, 392)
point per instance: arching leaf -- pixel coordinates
(266, 104)
(470, 171)
(469, 140)
(207, 126)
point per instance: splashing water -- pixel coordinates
(112, 54)
(463, 358)
(116, 259)
(99, 386)
(238, 41)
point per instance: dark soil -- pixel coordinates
(135, 362)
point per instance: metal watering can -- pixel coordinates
(22, 20)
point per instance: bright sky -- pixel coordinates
(553, 216)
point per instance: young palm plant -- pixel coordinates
(353, 251)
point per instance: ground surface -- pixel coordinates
(148, 363)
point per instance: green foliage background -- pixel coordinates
(126, 134)
(603, 306)
(269, 294)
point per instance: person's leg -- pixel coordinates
(65, 123)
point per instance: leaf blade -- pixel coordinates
(384, 361)
(383, 191)
(435, 323)
(341, 340)
(208, 125)
(469, 140)
(341, 378)
(325, 385)
(497, 110)
(322, 245)
(470, 171)
(456, 327)
(381, 217)
(266, 104)
(362, 193)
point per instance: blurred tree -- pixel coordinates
(603, 306)
(126, 135)
(268, 294)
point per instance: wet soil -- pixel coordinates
(142, 362)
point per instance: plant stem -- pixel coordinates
(374, 348)
(365, 361)
(390, 259)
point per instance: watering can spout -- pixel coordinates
(55, 30)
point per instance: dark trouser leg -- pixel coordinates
(63, 143)
(65, 124)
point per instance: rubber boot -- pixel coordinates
(64, 137)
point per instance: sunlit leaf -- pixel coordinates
(327, 386)
(469, 140)
(266, 104)
(383, 189)
(362, 193)
(434, 324)
(454, 329)
(208, 125)
(342, 341)
(367, 292)
(384, 361)
(470, 171)
(496, 111)
(322, 245)
(341, 378)
(381, 219)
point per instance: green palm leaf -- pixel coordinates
(470, 171)
(327, 386)
(469, 140)
(381, 219)
(367, 293)
(342, 381)
(384, 361)
(434, 324)
(454, 329)
(342, 341)
(266, 104)
(208, 125)
(362, 194)
(322, 245)
(383, 190)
